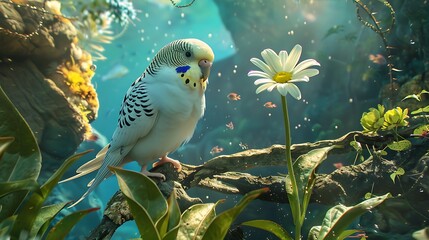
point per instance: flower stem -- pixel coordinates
(294, 200)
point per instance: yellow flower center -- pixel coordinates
(282, 77)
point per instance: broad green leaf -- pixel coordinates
(29, 211)
(20, 185)
(143, 191)
(22, 159)
(305, 172)
(271, 227)
(196, 220)
(400, 145)
(45, 217)
(313, 234)
(65, 225)
(220, 225)
(338, 218)
(6, 226)
(143, 219)
(171, 219)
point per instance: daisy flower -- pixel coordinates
(282, 72)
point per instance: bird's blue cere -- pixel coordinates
(182, 69)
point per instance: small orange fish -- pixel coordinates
(230, 126)
(92, 137)
(215, 150)
(359, 235)
(234, 96)
(338, 165)
(377, 59)
(270, 105)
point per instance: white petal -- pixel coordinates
(303, 79)
(282, 89)
(272, 87)
(263, 87)
(258, 74)
(307, 72)
(305, 64)
(272, 59)
(263, 66)
(294, 90)
(283, 58)
(264, 80)
(293, 58)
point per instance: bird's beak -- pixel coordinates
(205, 66)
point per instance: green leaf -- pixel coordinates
(412, 96)
(196, 220)
(357, 146)
(421, 110)
(305, 172)
(29, 211)
(220, 225)
(22, 159)
(399, 172)
(45, 217)
(338, 218)
(347, 233)
(171, 220)
(400, 145)
(20, 185)
(271, 227)
(65, 225)
(143, 220)
(6, 226)
(421, 130)
(143, 191)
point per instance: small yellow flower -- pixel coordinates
(395, 118)
(373, 120)
(281, 71)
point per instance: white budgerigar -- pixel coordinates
(159, 111)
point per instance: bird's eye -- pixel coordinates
(188, 54)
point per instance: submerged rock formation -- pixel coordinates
(47, 76)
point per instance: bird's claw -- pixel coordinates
(166, 159)
(154, 174)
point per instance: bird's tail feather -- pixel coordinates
(89, 166)
(112, 158)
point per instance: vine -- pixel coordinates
(377, 28)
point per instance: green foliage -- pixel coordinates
(399, 172)
(20, 157)
(338, 218)
(269, 226)
(399, 145)
(158, 219)
(417, 97)
(23, 216)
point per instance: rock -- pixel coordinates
(46, 76)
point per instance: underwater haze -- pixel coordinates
(356, 110)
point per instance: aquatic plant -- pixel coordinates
(22, 214)
(378, 120)
(373, 120)
(281, 71)
(159, 219)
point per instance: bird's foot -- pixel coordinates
(166, 159)
(153, 174)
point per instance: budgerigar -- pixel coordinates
(159, 111)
